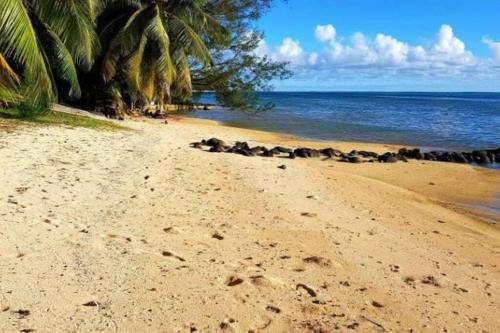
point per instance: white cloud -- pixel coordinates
(325, 33)
(390, 50)
(289, 50)
(447, 55)
(494, 47)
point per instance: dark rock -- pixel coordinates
(330, 152)
(291, 155)
(354, 159)
(429, 157)
(459, 158)
(282, 149)
(367, 154)
(283, 167)
(388, 158)
(218, 148)
(214, 142)
(402, 158)
(416, 154)
(481, 157)
(242, 145)
(268, 153)
(275, 151)
(244, 152)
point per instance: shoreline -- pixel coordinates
(493, 165)
(469, 204)
(134, 230)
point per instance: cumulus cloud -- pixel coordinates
(446, 55)
(289, 50)
(325, 33)
(494, 48)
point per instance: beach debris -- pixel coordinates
(170, 254)
(309, 290)
(481, 157)
(307, 214)
(320, 261)
(431, 280)
(22, 313)
(272, 308)
(218, 236)
(233, 281)
(91, 303)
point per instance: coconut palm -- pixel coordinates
(152, 44)
(45, 40)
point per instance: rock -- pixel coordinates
(306, 152)
(218, 148)
(282, 149)
(241, 145)
(244, 152)
(214, 142)
(257, 149)
(354, 159)
(416, 154)
(283, 167)
(330, 152)
(291, 155)
(401, 158)
(387, 158)
(481, 157)
(268, 153)
(459, 158)
(367, 154)
(275, 151)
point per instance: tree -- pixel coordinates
(238, 73)
(41, 43)
(150, 46)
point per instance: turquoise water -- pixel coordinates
(435, 120)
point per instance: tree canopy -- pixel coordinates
(133, 51)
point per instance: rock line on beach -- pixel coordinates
(482, 157)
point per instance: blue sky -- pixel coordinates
(425, 45)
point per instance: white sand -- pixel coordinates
(79, 223)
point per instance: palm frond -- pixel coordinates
(73, 21)
(60, 59)
(20, 43)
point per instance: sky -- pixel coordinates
(385, 45)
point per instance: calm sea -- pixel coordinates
(429, 120)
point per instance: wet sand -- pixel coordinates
(136, 231)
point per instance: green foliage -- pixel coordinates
(136, 51)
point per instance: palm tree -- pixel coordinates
(45, 40)
(152, 44)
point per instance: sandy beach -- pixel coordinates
(134, 230)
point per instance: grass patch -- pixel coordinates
(10, 117)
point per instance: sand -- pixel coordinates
(135, 231)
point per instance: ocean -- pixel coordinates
(454, 121)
